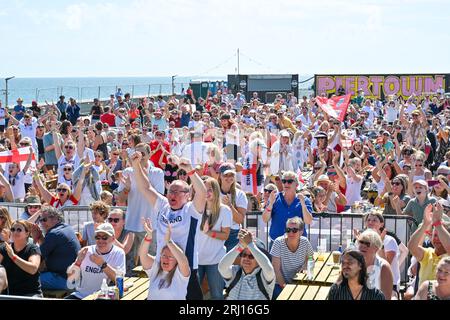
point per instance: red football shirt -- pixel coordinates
(155, 158)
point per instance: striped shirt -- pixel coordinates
(247, 286)
(342, 292)
(291, 262)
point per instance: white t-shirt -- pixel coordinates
(241, 202)
(177, 289)
(185, 226)
(17, 184)
(210, 250)
(353, 191)
(391, 113)
(196, 152)
(391, 245)
(29, 130)
(91, 275)
(62, 161)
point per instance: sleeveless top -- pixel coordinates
(431, 295)
(374, 275)
(103, 148)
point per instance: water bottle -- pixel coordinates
(310, 269)
(104, 290)
(119, 282)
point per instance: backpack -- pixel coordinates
(238, 277)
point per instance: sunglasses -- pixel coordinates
(34, 207)
(69, 147)
(268, 190)
(289, 181)
(366, 243)
(16, 229)
(245, 255)
(61, 190)
(419, 164)
(67, 169)
(101, 238)
(115, 154)
(115, 220)
(396, 183)
(43, 219)
(293, 230)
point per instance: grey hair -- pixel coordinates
(52, 212)
(296, 220)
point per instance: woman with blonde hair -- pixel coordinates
(438, 289)
(253, 168)
(5, 224)
(212, 164)
(234, 198)
(169, 275)
(215, 230)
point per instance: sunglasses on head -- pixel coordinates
(115, 220)
(366, 243)
(293, 230)
(289, 181)
(17, 229)
(245, 255)
(101, 238)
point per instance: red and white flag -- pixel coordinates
(300, 176)
(19, 156)
(335, 107)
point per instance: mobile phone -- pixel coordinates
(432, 183)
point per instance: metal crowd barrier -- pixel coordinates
(75, 216)
(336, 229)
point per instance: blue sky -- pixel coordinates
(68, 38)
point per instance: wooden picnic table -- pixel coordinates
(304, 292)
(139, 272)
(137, 291)
(325, 272)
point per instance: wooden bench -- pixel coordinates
(325, 272)
(135, 289)
(304, 292)
(139, 272)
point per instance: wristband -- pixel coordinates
(268, 209)
(78, 264)
(428, 232)
(14, 258)
(191, 173)
(213, 234)
(147, 239)
(437, 223)
(239, 249)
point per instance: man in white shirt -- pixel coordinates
(196, 151)
(176, 210)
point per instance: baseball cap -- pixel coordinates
(320, 134)
(284, 133)
(33, 200)
(105, 228)
(227, 167)
(421, 182)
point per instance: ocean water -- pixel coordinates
(86, 89)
